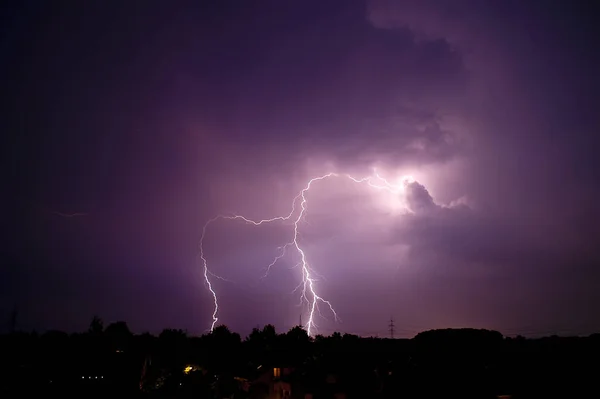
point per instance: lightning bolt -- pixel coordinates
(308, 284)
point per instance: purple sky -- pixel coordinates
(151, 117)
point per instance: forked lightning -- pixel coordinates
(308, 287)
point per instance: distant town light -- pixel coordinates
(191, 367)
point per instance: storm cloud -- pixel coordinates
(152, 120)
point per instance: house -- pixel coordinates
(276, 382)
(324, 384)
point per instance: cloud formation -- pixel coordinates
(490, 107)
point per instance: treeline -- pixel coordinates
(455, 359)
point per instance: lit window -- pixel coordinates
(276, 372)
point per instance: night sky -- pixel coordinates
(126, 125)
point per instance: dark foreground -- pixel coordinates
(435, 364)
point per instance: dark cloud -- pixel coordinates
(418, 198)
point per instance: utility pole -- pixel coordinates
(391, 326)
(300, 320)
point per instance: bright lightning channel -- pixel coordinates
(307, 286)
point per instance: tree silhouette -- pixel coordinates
(173, 348)
(222, 342)
(269, 333)
(297, 335)
(96, 326)
(266, 337)
(255, 335)
(118, 335)
(475, 362)
(296, 343)
(336, 336)
(261, 344)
